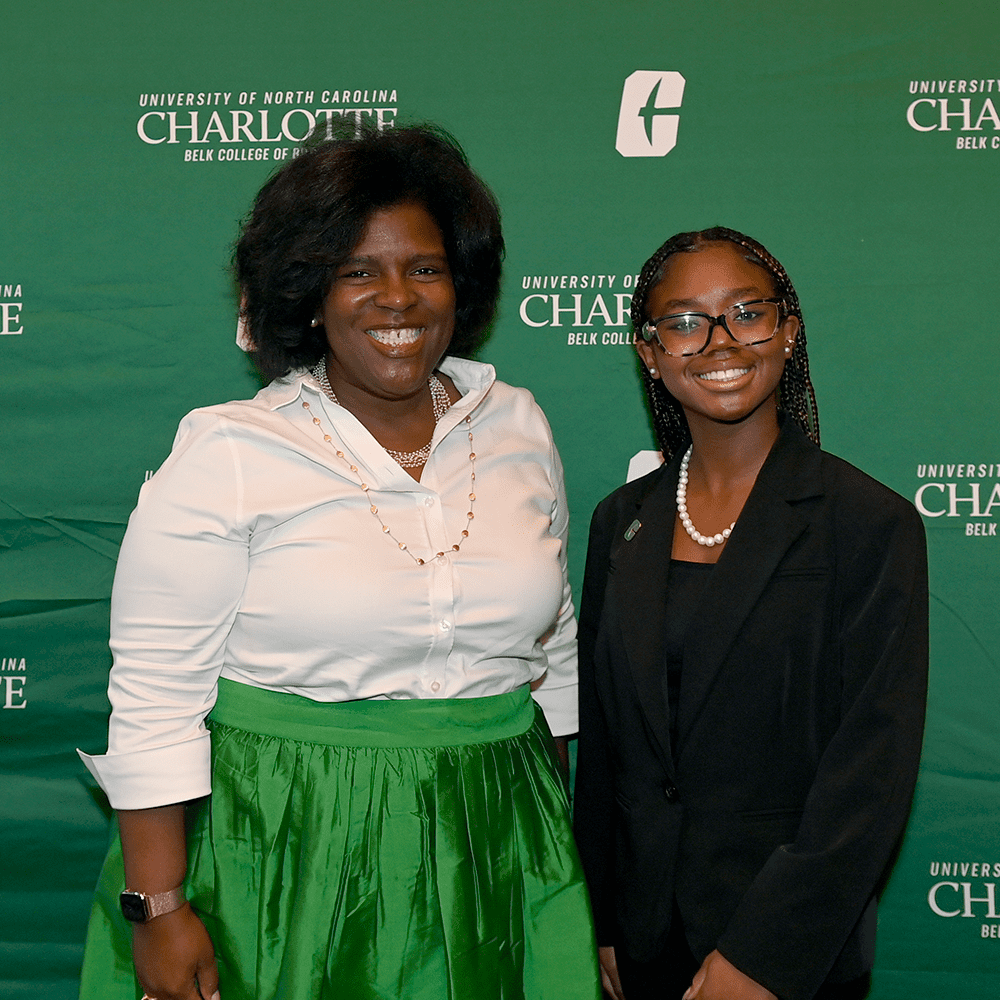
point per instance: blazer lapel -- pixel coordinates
(767, 527)
(641, 569)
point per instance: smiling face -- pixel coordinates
(390, 312)
(727, 382)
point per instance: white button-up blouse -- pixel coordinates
(253, 554)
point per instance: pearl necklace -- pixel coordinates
(682, 510)
(439, 397)
(366, 489)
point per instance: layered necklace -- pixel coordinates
(682, 509)
(406, 459)
(439, 397)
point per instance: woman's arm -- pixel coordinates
(173, 955)
(556, 690)
(180, 576)
(180, 573)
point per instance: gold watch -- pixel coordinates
(140, 907)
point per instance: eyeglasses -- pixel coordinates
(683, 334)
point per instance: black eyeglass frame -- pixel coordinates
(648, 331)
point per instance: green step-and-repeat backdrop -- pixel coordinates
(859, 142)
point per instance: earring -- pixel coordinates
(315, 321)
(653, 372)
(788, 350)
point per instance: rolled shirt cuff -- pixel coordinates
(160, 776)
(560, 708)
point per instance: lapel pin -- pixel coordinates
(632, 529)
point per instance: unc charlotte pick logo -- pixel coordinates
(646, 126)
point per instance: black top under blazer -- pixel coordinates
(775, 818)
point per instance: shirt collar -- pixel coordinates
(473, 380)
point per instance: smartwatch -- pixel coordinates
(140, 907)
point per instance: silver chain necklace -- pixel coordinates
(439, 397)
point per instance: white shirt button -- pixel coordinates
(442, 559)
(436, 686)
(428, 501)
(444, 625)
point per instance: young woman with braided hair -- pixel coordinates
(753, 660)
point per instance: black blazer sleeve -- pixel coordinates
(794, 919)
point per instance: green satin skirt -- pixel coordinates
(386, 849)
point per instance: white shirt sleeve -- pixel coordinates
(556, 692)
(181, 572)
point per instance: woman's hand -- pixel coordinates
(174, 958)
(719, 979)
(609, 973)
(173, 954)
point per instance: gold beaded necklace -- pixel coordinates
(366, 489)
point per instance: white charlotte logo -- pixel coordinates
(645, 125)
(947, 495)
(226, 126)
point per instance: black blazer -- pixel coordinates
(775, 818)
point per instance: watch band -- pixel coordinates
(140, 907)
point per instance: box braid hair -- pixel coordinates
(795, 390)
